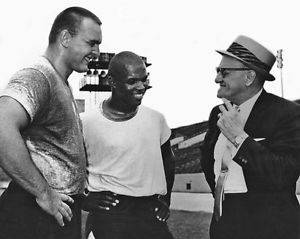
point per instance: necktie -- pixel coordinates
(219, 189)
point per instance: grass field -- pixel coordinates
(189, 225)
(185, 224)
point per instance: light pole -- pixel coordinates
(280, 65)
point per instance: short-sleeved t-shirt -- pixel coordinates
(54, 136)
(125, 156)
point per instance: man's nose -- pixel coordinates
(96, 51)
(141, 85)
(218, 78)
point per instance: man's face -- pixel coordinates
(84, 46)
(132, 86)
(231, 78)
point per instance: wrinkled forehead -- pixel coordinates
(230, 62)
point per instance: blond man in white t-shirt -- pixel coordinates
(130, 161)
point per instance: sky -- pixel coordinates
(179, 38)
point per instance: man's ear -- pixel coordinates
(111, 82)
(65, 38)
(250, 77)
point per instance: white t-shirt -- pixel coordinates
(125, 157)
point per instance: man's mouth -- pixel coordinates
(88, 59)
(139, 95)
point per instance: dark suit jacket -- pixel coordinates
(271, 167)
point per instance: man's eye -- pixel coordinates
(146, 81)
(131, 82)
(224, 73)
(91, 44)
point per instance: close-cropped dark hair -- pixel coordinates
(70, 19)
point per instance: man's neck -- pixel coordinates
(247, 96)
(56, 60)
(114, 112)
(120, 106)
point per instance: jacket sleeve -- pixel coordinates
(273, 164)
(207, 159)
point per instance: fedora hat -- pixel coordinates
(251, 54)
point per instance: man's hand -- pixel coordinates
(161, 210)
(54, 204)
(99, 201)
(230, 122)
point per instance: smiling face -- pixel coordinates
(231, 76)
(131, 86)
(84, 45)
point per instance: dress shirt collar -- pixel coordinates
(246, 107)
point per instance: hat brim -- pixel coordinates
(267, 75)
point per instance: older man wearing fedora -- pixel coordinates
(251, 153)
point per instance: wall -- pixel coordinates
(196, 180)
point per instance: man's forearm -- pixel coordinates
(270, 163)
(17, 163)
(169, 168)
(170, 181)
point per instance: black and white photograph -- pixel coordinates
(149, 119)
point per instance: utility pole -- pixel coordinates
(280, 65)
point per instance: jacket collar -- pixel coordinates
(254, 125)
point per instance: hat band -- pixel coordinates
(243, 53)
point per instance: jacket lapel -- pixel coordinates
(255, 125)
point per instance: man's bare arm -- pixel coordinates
(17, 163)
